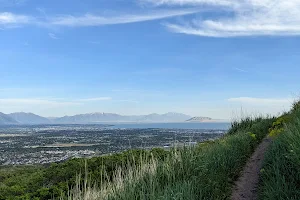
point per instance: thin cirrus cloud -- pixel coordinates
(248, 18)
(191, 2)
(262, 101)
(97, 20)
(8, 19)
(227, 18)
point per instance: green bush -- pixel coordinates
(296, 106)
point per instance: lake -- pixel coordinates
(204, 125)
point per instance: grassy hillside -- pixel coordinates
(281, 171)
(205, 171)
(48, 182)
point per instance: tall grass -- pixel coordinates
(245, 123)
(281, 170)
(206, 171)
(131, 174)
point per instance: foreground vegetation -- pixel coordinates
(205, 171)
(281, 171)
(50, 182)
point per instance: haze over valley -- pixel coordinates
(30, 118)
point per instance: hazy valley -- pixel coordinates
(94, 118)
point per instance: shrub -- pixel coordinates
(296, 106)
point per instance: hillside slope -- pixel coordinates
(281, 170)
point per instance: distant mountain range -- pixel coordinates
(111, 117)
(90, 118)
(30, 118)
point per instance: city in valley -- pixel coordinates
(42, 144)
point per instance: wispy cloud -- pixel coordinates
(231, 18)
(42, 11)
(191, 2)
(248, 18)
(98, 20)
(8, 19)
(240, 70)
(53, 36)
(262, 101)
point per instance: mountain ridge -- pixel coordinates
(28, 118)
(6, 119)
(88, 118)
(113, 117)
(99, 117)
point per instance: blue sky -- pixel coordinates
(199, 57)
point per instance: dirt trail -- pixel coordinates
(246, 186)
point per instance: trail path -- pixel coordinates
(246, 186)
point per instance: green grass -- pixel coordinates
(280, 177)
(49, 182)
(203, 172)
(245, 124)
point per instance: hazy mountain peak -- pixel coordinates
(6, 119)
(29, 118)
